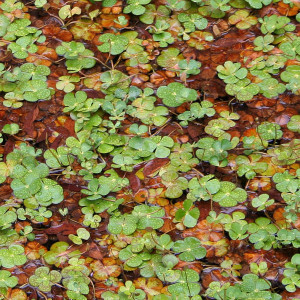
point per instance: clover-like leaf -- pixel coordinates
(7, 280)
(150, 267)
(114, 44)
(213, 151)
(4, 23)
(203, 188)
(291, 75)
(95, 190)
(276, 24)
(7, 217)
(175, 94)
(66, 83)
(291, 49)
(191, 22)
(187, 285)
(26, 187)
(12, 128)
(163, 146)
(136, 7)
(190, 249)
(231, 72)
(58, 255)
(269, 131)
(250, 165)
(149, 216)
(12, 256)
(229, 195)
(270, 87)
(242, 19)
(126, 224)
(35, 90)
(132, 258)
(263, 43)
(294, 123)
(262, 201)
(257, 4)
(82, 234)
(197, 111)
(285, 181)
(152, 12)
(244, 90)
(113, 80)
(169, 58)
(188, 214)
(44, 279)
(59, 157)
(22, 47)
(175, 184)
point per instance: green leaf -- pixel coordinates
(187, 284)
(12, 256)
(126, 224)
(294, 124)
(4, 22)
(12, 128)
(244, 90)
(231, 72)
(65, 12)
(262, 201)
(262, 43)
(135, 7)
(40, 3)
(114, 44)
(175, 185)
(44, 279)
(191, 249)
(149, 216)
(271, 88)
(229, 195)
(175, 94)
(7, 280)
(269, 131)
(169, 58)
(83, 233)
(257, 4)
(189, 216)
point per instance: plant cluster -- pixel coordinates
(164, 163)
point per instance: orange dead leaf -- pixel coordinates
(263, 183)
(105, 269)
(34, 250)
(151, 286)
(205, 231)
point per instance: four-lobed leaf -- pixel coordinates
(44, 279)
(229, 195)
(175, 94)
(190, 249)
(114, 44)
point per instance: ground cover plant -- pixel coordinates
(149, 149)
